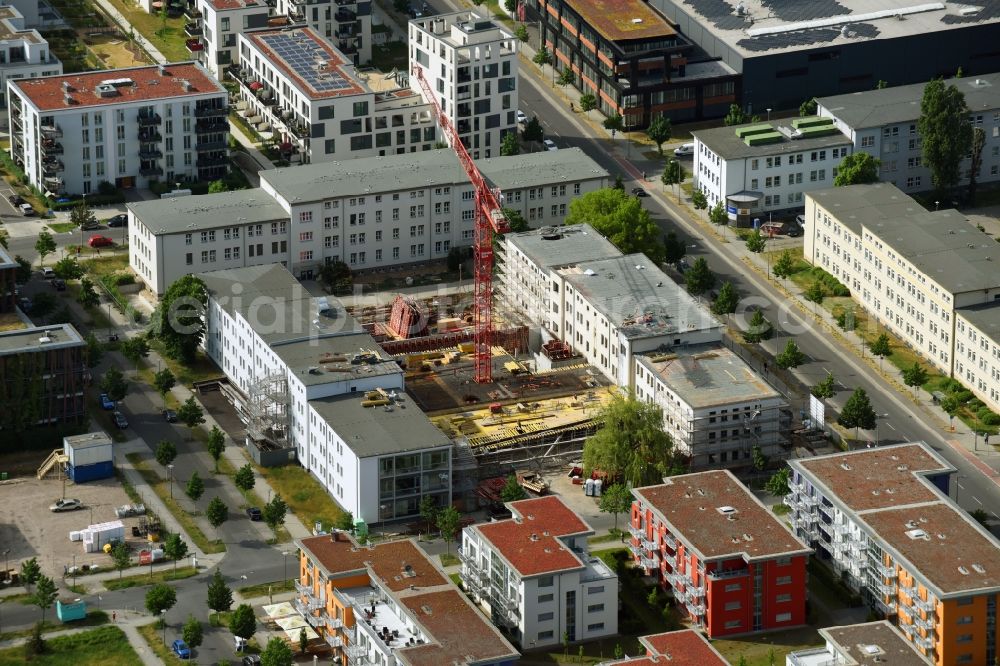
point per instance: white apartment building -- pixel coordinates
(308, 379)
(128, 127)
(470, 62)
(369, 213)
(294, 83)
(918, 272)
(763, 169)
(860, 645)
(609, 307)
(214, 25)
(883, 123)
(535, 576)
(715, 407)
(347, 24)
(24, 53)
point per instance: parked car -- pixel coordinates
(251, 660)
(240, 642)
(522, 117)
(684, 150)
(66, 504)
(170, 416)
(120, 420)
(801, 221)
(550, 144)
(48, 273)
(26, 209)
(181, 649)
(15, 199)
(100, 241)
(253, 513)
(59, 285)
(793, 230)
(106, 402)
(639, 192)
(119, 220)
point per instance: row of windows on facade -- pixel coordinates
(797, 158)
(233, 254)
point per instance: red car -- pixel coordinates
(100, 241)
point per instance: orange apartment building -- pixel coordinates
(883, 519)
(686, 647)
(730, 563)
(388, 604)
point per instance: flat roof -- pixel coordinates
(901, 104)
(623, 20)
(52, 336)
(473, 28)
(944, 244)
(373, 431)
(225, 5)
(550, 247)
(873, 643)
(724, 142)
(318, 69)
(130, 85)
(637, 297)
(86, 440)
(715, 515)
(207, 211)
(709, 377)
(432, 168)
(685, 647)
(879, 478)
(985, 317)
(797, 26)
(6, 261)
(530, 541)
(9, 31)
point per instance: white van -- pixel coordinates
(685, 150)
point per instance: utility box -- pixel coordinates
(71, 609)
(89, 457)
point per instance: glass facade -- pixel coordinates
(405, 479)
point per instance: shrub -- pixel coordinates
(988, 417)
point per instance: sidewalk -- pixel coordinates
(236, 132)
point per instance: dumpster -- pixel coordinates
(68, 610)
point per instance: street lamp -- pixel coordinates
(381, 511)
(6, 569)
(163, 621)
(284, 576)
(877, 417)
(768, 114)
(170, 470)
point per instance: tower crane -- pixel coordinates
(489, 219)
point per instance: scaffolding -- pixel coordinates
(267, 412)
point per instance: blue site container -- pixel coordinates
(85, 473)
(70, 610)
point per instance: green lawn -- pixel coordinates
(154, 638)
(167, 36)
(106, 646)
(94, 618)
(758, 650)
(161, 576)
(263, 589)
(305, 497)
(449, 560)
(61, 227)
(199, 370)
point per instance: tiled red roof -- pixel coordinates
(387, 561)
(48, 93)
(336, 63)
(683, 648)
(529, 540)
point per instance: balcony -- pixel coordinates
(348, 48)
(303, 589)
(150, 153)
(925, 624)
(51, 147)
(670, 541)
(211, 111)
(334, 641)
(149, 171)
(193, 29)
(727, 573)
(204, 162)
(193, 13)
(648, 544)
(203, 146)
(149, 119)
(345, 15)
(925, 643)
(695, 591)
(150, 136)
(887, 590)
(51, 131)
(194, 45)
(52, 167)
(637, 532)
(53, 183)
(211, 125)
(650, 563)
(926, 605)
(885, 571)
(695, 609)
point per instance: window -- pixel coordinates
(964, 601)
(599, 626)
(189, 258)
(734, 587)
(783, 617)
(964, 638)
(544, 598)
(305, 236)
(546, 617)
(734, 624)
(595, 608)
(783, 598)
(545, 581)
(306, 216)
(545, 635)
(965, 619)
(867, 141)
(783, 580)
(733, 605)
(596, 589)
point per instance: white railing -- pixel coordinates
(695, 609)
(925, 624)
(810, 658)
(885, 570)
(303, 589)
(670, 541)
(636, 532)
(888, 590)
(925, 643)
(334, 641)
(648, 544)
(926, 605)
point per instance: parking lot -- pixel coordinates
(34, 531)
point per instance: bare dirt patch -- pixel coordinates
(116, 52)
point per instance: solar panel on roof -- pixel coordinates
(302, 56)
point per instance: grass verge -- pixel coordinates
(304, 495)
(262, 589)
(449, 560)
(186, 520)
(161, 576)
(106, 646)
(61, 227)
(154, 639)
(200, 370)
(95, 618)
(767, 649)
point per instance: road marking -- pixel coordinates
(889, 425)
(977, 500)
(960, 485)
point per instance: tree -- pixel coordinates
(509, 145)
(195, 487)
(758, 458)
(192, 633)
(161, 597)
(87, 296)
(777, 485)
(915, 375)
(946, 132)
(512, 490)
(217, 512)
(619, 183)
(674, 248)
(175, 548)
(699, 200)
(337, 275)
(447, 521)
(242, 622)
(303, 643)
(44, 246)
(825, 389)
(951, 404)
(784, 266)
(857, 169)
(857, 412)
(659, 131)
(699, 278)
(30, 572)
(566, 77)
(614, 124)
(673, 173)
(95, 350)
(621, 219)
(542, 56)
(166, 452)
(244, 478)
(630, 444)
(164, 381)
(726, 300)
(113, 383)
(23, 272)
(845, 319)
(81, 216)
(815, 293)
(428, 511)
(790, 357)
(44, 595)
(759, 328)
(220, 597)
(615, 499)
(135, 349)
(881, 84)
(217, 186)
(976, 163)
(755, 242)
(533, 130)
(179, 321)
(516, 220)
(43, 303)
(808, 107)
(717, 214)
(68, 268)
(121, 557)
(881, 347)
(190, 413)
(588, 102)
(274, 512)
(277, 652)
(521, 32)
(216, 445)
(345, 521)
(981, 517)
(735, 116)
